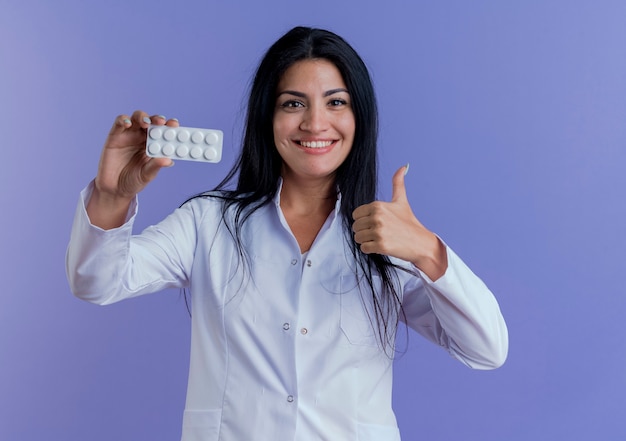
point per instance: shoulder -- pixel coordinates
(229, 205)
(209, 200)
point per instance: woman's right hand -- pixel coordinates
(124, 169)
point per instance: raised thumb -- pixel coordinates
(398, 191)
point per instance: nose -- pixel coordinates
(314, 119)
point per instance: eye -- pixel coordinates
(292, 104)
(336, 102)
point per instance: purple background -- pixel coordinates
(513, 117)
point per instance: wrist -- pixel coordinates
(434, 261)
(109, 199)
(106, 210)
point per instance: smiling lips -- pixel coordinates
(315, 144)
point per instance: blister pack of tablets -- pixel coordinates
(185, 143)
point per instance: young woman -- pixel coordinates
(298, 276)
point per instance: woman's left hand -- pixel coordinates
(392, 229)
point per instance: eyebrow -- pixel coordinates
(303, 95)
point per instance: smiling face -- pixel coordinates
(313, 120)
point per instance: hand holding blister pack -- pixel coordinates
(184, 143)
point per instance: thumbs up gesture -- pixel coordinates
(392, 229)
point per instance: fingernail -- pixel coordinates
(175, 119)
(146, 120)
(126, 121)
(406, 169)
(162, 116)
(171, 164)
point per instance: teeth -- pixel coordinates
(315, 144)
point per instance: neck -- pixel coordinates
(308, 197)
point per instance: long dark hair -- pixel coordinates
(258, 167)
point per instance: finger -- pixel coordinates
(121, 123)
(141, 119)
(367, 248)
(371, 247)
(362, 211)
(158, 120)
(172, 122)
(365, 236)
(398, 193)
(363, 223)
(153, 166)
